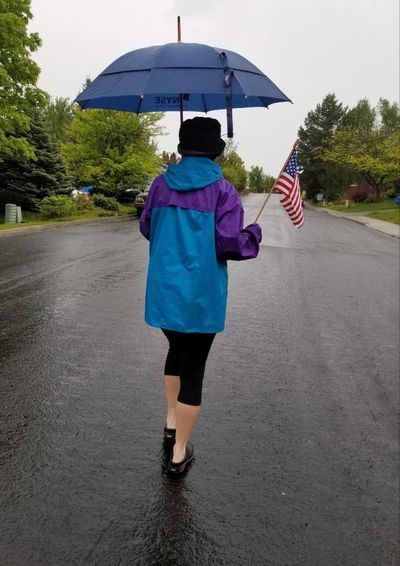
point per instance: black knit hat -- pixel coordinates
(200, 137)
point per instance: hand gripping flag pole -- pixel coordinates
(287, 183)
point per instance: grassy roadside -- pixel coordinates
(392, 216)
(33, 219)
(385, 210)
(364, 206)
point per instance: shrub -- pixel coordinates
(57, 206)
(108, 203)
(84, 202)
(361, 193)
(391, 193)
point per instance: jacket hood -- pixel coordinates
(192, 173)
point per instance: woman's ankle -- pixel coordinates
(179, 453)
(170, 422)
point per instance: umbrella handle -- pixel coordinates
(229, 116)
(228, 73)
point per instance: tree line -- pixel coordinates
(341, 146)
(50, 146)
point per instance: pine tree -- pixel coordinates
(316, 137)
(36, 178)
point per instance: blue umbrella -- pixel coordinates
(87, 189)
(181, 76)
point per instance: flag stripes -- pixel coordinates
(289, 186)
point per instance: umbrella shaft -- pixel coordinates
(179, 28)
(180, 96)
(181, 106)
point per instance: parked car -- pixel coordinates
(397, 199)
(127, 196)
(140, 200)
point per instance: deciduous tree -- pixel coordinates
(19, 95)
(259, 181)
(369, 143)
(233, 167)
(256, 179)
(112, 149)
(58, 114)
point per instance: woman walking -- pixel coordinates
(193, 218)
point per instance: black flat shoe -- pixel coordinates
(169, 434)
(182, 466)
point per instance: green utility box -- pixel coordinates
(11, 214)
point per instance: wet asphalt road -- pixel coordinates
(296, 446)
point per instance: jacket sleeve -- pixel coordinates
(232, 240)
(145, 217)
(145, 222)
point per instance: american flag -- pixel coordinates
(289, 186)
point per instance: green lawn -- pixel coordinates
(392, 216)
(33, 219)
(365, 206)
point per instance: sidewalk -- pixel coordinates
(379, 225)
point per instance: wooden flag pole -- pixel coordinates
(181, 95)
(296, 143)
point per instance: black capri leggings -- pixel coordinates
(187, 357)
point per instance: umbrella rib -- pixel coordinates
(204, 102)
(140, 104)
(179, 68)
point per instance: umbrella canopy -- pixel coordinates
(176, 76)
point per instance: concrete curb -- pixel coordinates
(378, 225)
(28, 229)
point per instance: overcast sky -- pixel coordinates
(308, 48)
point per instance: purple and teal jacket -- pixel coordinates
(193, 218)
